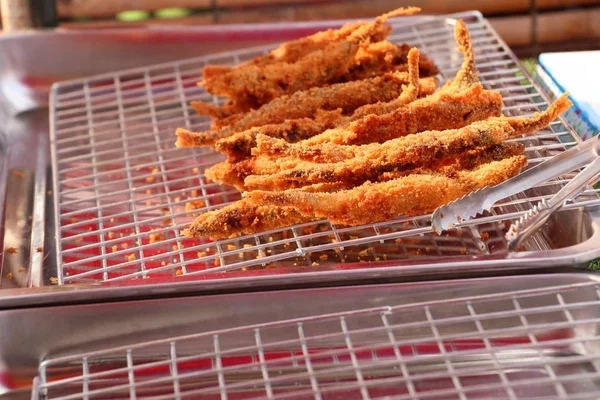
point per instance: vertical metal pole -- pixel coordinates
(533, 11)
(16, 15)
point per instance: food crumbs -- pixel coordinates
(463, 250)
(114, 248)
(323, 257)
(377, 258)
(156, 237)
(247, 245)
(194, 192)
(111, 235)
(163, 263)
(201, 254)
(148, 191)
(193, 205)
(164, 209)
(155, 170)
(177, 199)
(217, 262)
(9, 276)
(385, 256)
(315, 264)
(240, 255)
(364, 253)
(485, 236)
(195, 170)
(74, 219)
(231, 247)
(49, 192)
(398, 241)
(18, 174)
(167, 221)
(12, 250)
(179, 272)
(78, 240)
(175, 247)
(53, 280)
(150, 179)
(30, 217)
(124, 246)
(21, 269)
(131, 257)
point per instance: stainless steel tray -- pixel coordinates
(120, 182)
(571, 237)
(507, 337)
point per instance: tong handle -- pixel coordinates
(539, 214)
(560, 164)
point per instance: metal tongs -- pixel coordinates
(467, 207)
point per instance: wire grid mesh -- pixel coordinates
(532, 343)
(124, 192)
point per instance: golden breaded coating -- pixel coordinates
(357, 164)
(407, 196)
(292, 67)
(242, 218)
(305, 104)
(238, 146)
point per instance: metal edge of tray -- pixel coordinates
(552, 261)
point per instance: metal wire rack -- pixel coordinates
(540, 342)
(123, 191)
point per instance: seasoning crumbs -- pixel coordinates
(21, 269)
(53, 280)
(156, 237)
(194, 205)
(18, 174)
(131, 257)
(9, 276)
(12, 250)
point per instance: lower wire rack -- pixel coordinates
(539, 342)
(123, 192)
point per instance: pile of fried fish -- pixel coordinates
(346, 126)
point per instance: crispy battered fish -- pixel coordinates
(302, 64)
(407, 196)
(458, 103)
(357, 164)
(305, 104)
(238, 146)
(243, 218)
(378, 58)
